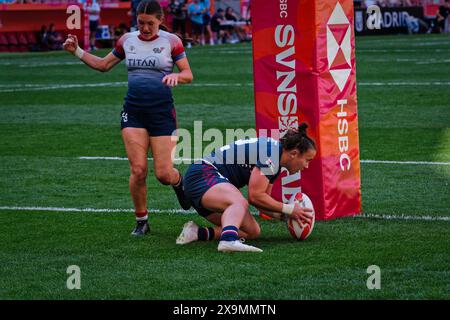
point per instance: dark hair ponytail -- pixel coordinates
(150, 7)
(298, 139)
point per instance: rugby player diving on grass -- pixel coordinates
(212, 185)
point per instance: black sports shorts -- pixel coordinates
(158, 123)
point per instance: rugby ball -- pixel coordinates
(301, 231)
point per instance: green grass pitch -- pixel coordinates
(49, 119)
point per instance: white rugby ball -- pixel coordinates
(301, 231)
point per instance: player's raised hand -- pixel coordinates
(71, 43)
(302, 214)
(171, 80)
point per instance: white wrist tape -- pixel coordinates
(79, 53)
(288, 208)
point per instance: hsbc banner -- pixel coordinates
(304, 71)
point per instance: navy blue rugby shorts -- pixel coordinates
(199, 178)
(158, 123)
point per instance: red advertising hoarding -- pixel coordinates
(304, 71)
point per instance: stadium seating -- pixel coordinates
(31, 38)
(4, 45)
(21, 41)
(22, 38)
(12, 41)
(16, 42)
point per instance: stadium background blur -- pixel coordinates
(24, 24)
(64, 198)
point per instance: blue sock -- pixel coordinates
(205, 234)
(229, 233)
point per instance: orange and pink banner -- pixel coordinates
(304, 71)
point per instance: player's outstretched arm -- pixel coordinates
(97, 63)
(258, 196)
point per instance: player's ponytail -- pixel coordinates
(298, 139)
(150, 7)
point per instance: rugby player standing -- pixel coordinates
(148, 115)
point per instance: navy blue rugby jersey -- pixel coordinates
(237, 160)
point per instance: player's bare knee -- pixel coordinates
(139, 173)
(242, 204)
(164, 177)
(254, 232)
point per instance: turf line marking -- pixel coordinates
(383, 42)
(65, 86)
(126, 159)
(45, 87)
(433, 61)
(92, 210)
(108, 158)
(426, 163)
(20, 86)
(20, 64)
(402, 217)
(49, 64)
(416, 61)
(402, 50)
(362, 161)
(180, 211)
(431, 83)
(224, 52)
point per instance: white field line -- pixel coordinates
(416, 61)
(402, 217)
(398, 83)
(371, 43)
(428, 44)
(103, 84)
(90, 210)
(407, 38)
(45, 87)
(108, 158)
(405, 46)
(427, 163)
(126, 159)
(366, 59)
(20, 64)
(26, 87)
(63, 86)
(249, 51)
(384, 46)
(223, 48)
(70, 63)
(432, 61)
(49, 64)
(401, 50)
(180, 211)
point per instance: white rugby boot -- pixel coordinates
(188, 234)
(229, 246)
